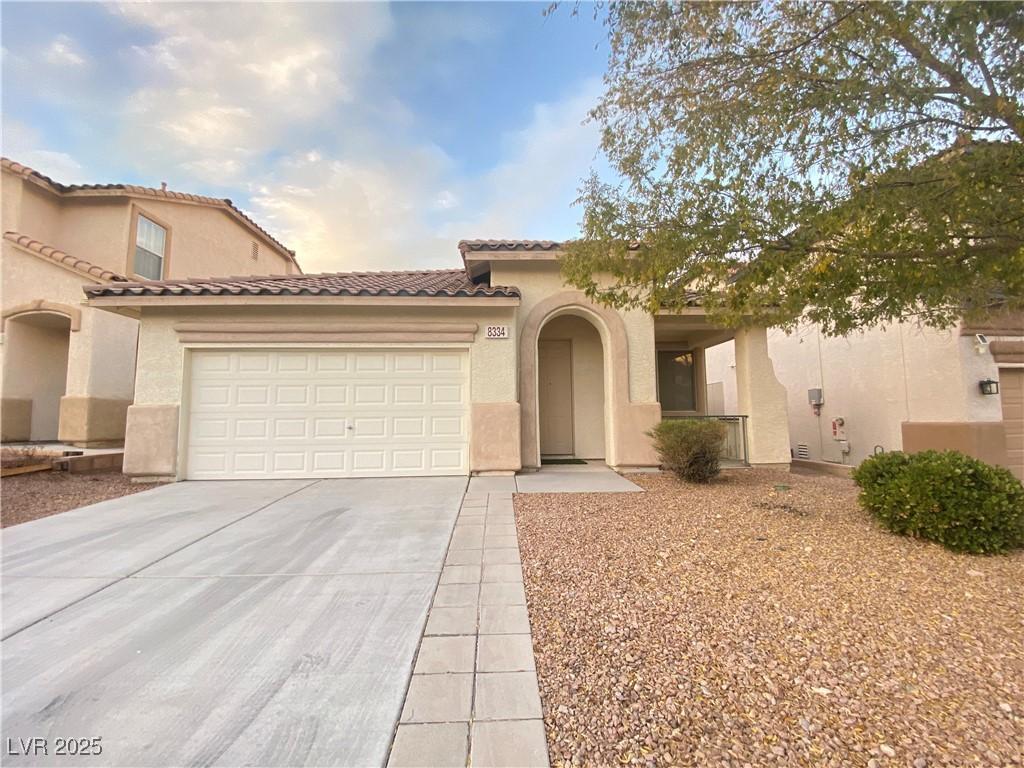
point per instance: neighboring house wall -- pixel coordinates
(97, 367)
(881, 382)
(99, 355)
(207, 242)
(35, 374)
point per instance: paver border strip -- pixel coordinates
(482, 526)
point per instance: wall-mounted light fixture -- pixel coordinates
(989, 386)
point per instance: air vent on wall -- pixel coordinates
(255, 250)
(803, 451)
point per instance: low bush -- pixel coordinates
(947, 497)
(691, 448)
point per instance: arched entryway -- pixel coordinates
(35, 373)
(570, 388)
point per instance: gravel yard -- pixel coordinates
(28, 497)
(736, 625)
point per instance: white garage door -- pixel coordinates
(327, 413)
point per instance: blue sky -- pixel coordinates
(366, 136)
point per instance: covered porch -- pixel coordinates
(748, 398)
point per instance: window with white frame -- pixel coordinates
(150, 246)
(677, 389)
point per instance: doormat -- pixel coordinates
(562, 461)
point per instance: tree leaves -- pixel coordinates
(853, 163)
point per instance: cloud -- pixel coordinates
(62, 52)
(226, 83)
(292, 110)
(22, 143)
(357, 215)
(529, 193)
(408, 208)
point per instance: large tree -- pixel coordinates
(850, 163)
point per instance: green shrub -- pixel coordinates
(691, 448)
(946, 497)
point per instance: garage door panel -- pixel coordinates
(1011, 390)
(327, 413)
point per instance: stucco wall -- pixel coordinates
(207, 242)
(720, 369)
(161, 355)
(102, 356)
(587, 382)
(152, 444)
(539, 280)
(36, 363)
(875, 380)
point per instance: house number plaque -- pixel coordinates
(497, 331)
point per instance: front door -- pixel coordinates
(554, 366)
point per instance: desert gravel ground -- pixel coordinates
(736, 624)
(28, 497)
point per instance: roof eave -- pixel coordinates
(205, 300)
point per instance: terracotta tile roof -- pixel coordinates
(482, 246)
(450, 283)
(135, 191)
(56, 255)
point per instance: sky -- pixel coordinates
(362, 135)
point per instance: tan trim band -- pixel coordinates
(327, 332)
(356, 336)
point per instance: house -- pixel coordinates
(904, 387)
(481, 369)
(69, 370)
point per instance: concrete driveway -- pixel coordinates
(228, 623)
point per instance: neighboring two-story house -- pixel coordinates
(68, 369)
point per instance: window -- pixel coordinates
(150, 243)
(676, 389)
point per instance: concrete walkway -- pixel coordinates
(230, 623)
(593, 477)
(474, 693)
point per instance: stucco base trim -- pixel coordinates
(494, 443)
(151, 441)
(822, 467)
(15, 419)
(984, 440)
(92, 420)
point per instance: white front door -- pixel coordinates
(339, 412)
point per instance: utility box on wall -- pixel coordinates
(839, 428)
(815, 396)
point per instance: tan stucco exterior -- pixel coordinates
(69, 369)
(903, 387)
(613, 364)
